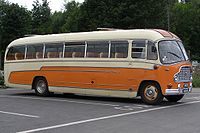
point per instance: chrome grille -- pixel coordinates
(184, 75)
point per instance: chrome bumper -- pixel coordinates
(178, 91)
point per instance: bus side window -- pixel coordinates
(151, 51)
(119, 49)
(34, 51)
(10, 54)
(138, 49)
(74, 50)
(97, 49)
(53, 50)
(16, 53)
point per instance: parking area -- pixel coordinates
(21, 111)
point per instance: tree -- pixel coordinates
(41, 20)
(15, 22)
(71, 15)
(124, 14)
(186, 24)
(58, 21)
(66, 21)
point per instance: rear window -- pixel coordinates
(16, 53)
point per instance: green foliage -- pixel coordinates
(71, 16)
(68, 20)
(196, 77)
(1, 81)
(41, 20)
(186, 24)
(15, 22)
(124, 14)
(57, 22)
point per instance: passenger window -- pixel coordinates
(98, 49)
(139, 49)
(152, 51)
(119, 49)
(16, 53)
(53, 50)
(74, 50)
(34, 51)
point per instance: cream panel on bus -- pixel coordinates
(97, 92)
(89, 36)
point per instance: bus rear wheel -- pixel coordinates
(41, 87)
(151, 93)
(174, 98)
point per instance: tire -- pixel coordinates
(174, 98)
(151, 93)
(41, 87)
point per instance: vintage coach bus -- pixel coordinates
(149, 63)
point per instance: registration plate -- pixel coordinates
(185, 90)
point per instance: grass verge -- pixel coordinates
(1, 82)
(196, 77)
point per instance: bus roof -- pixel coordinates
(149, 34)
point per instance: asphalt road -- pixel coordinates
(21, 111)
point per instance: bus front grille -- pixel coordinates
(184, 75)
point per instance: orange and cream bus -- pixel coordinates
(149, 63)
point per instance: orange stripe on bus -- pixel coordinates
(98, 78)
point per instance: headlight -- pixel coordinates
(191, 77)
(175, 78)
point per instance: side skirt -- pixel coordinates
(95, 92)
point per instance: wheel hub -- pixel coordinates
(41, 87)
(151, 92)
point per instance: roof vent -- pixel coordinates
(31, 35)
(107, 29)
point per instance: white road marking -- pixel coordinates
(124, 109)
(60, 100)
(105, 117)
(11, 89)
(196, 98)
(127, 108)
(145, 106)
(18, 114)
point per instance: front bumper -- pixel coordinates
(178, 91)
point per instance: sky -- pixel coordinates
(55, 5)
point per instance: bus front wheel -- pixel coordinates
(41, 87)
(174, 98)
(151, 93)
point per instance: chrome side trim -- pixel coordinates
(105, 71)
(44, 49)
(63, 54)
(86, 45)
(109, 52)
(25, 55)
